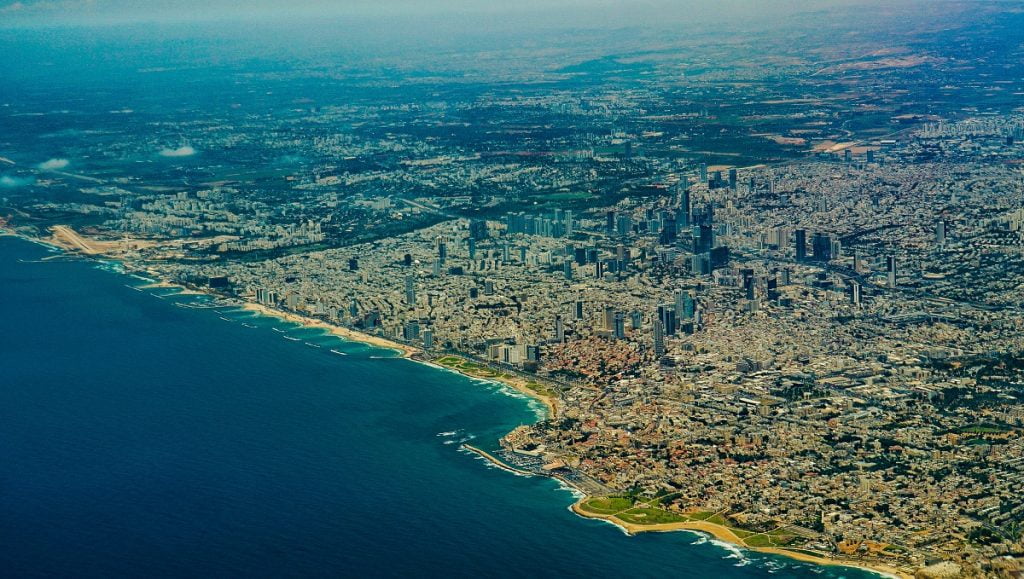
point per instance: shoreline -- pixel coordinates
(405, 351)
(339, 331)
(726, 535)
(516, 383)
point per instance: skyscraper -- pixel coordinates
(659, 338)
(685, 217)
(620, 325)
(800, 239)
(636, 320)
(477, 229)
(940, 233)
(608, 320)
(890, 268)
(821, 247)
(679, 304)
(623, 224)
(667, 317)
(442, 249)
(410, 290)
(706, 241)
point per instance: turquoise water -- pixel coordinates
(142, 438)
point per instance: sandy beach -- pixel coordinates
(345, 333)
(516, 383)
(725, 534)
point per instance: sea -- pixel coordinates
(146, 433)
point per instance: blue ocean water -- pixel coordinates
(139, 437)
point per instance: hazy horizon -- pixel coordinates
(550, 13)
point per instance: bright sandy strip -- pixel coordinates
(725, 534)
(516, 383)
(350, 335)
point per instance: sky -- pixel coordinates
(586, 12)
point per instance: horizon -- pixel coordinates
(605, 14)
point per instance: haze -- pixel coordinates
(549, 13)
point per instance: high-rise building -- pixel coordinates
(578, 310)
(477, 229)
(704, 173)
(623, 224)
(749, 284)
(685, 217)
(559, 329)
(411, 330)
(668, 232)
(733, 179)
(821, 247)
(567, 269)
(800, 239)
(568, 223)
(581, 255)
(940, 233)
(679, 301)
(410, 290)
(659, 338)
(855, 292)
(619, 330)
(608, 318)
(890, 269)
(706, 241)
(667, 316)
(428, 338)
(442, 249)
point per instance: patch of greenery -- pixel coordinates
(650, 516)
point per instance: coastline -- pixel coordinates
(339, 331)
(516, 383)
(405, 351)
(726, 535)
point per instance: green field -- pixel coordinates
(606, 505)
(649, 516)
(474, 369)
(761, 540)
